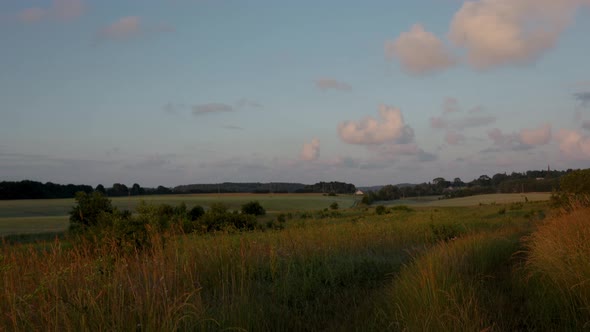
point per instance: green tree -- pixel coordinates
(253, 208)
(100, 188)
(136, 190)
(88, 210)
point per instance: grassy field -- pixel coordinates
(478, 267)
(474, 200)
(50, 215)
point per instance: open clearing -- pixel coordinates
(50, 215)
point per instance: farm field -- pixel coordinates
(50, 215)
(473, 200)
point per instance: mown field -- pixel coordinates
(517, 266)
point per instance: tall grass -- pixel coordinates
(558, 271)
(454, 286)
(307, 277)
(427, 269)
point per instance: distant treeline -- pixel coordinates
(27, 189)
(529, 181)
(232, 187)
(262, 188)
(37, 190)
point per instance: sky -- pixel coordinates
(171, 92)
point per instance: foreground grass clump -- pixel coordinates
(558, 270)
(454, 286)
(97, 288)
(306, 277)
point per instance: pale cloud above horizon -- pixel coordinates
(63, 10)
(311, 150)
(491, 33)
(537, 136)
(573, 144)
(369, 130)
(130, 27)
(419, 51)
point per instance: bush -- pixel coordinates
(574, 190)
(334, 206)
(404, 208)
(381, 209)
(253, 208)
(196, 212)
(88, 210)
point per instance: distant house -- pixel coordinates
(359, 192)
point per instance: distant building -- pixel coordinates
(359, 192)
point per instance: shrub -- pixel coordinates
(334, 206)
(381, 209)
(574, 190)
(254, 208)
(196, 212)
(404, 208)
(88, 210)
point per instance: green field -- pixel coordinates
(474, 200)
(50, 215)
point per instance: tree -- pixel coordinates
(88, 209)
(100, 188)
(253, 208)
(136, 190)
(118, 189)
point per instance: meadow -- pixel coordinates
(482, 266)
(51, 215)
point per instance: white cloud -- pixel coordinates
(64, 10)
(419, 51)
(311, 151)
(31, 15)
(454, 138)
(537, 136)
(130, 27)
(123, 29)
(503, 32)
(389, 128)
(450, 105)
(330, 83)
(438, 122)
(573, 144)
(474, 121)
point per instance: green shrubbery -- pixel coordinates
(95, 216)
(574, 190)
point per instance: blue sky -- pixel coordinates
(170, 92)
